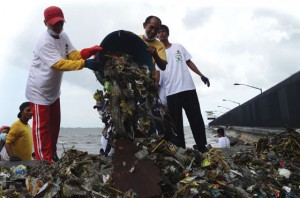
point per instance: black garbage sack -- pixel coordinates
(123, 42)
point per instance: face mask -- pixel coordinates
(145, 35)
(52, 33)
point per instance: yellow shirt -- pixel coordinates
(20, 137)
(161, 51)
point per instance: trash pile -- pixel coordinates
(131, 107)
(273, 167)
(132, 115)
(184, 173)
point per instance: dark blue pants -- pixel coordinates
(187, 100)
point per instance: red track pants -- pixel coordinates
(45, 129)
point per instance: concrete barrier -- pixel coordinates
(248, 134)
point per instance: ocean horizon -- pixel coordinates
(88, 139)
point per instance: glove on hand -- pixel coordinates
(14, 158)
(88, 52)
(92, 64)
(205, 80)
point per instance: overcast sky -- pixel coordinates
(251, 42)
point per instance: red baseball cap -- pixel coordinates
(53, 15)
(4, 127)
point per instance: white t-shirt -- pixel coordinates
(162, 95)
(176, 77)
(43, 83)
(224, 142)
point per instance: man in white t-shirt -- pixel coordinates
(223, 142)
(181, 91)
(53, 54)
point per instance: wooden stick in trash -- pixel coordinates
(158, 145)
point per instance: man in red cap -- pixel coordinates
(53, 54)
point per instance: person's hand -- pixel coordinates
(152, 50)
(92, 64)
(88, 52)
(14, 158)
(205, 80)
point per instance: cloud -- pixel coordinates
(196, 18)
(252, 42)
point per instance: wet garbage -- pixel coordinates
(146, 163)
(177, 173)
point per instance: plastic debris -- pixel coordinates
(284, 172)
(129, 99)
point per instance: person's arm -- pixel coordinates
(10, 139)
(69, 65)
(84, 53)
(78, 59)
(194, 68)
(12, 156)
(74, 55)
(157, 78)
(9, 149)
(161, 63)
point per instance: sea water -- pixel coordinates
(88, 139)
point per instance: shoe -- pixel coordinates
(203, 149)
(55, 158)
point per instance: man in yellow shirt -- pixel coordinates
(155, 47)
(19, 139)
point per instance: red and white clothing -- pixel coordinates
(43, 91)
(45, 129)
(43, 84)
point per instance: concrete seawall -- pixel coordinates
(276, 107)
(249, 134)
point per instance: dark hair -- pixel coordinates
(22, 107)
(148, 19)
(220, 131)
(164, 27)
